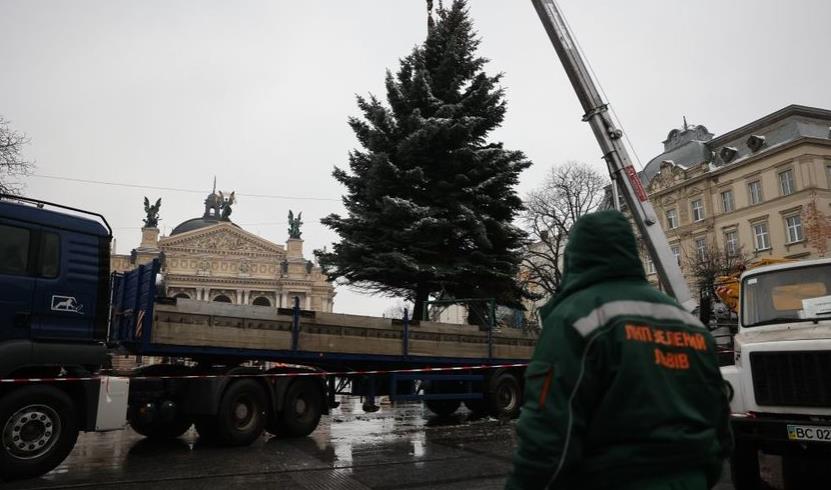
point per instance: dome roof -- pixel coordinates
(197, 223)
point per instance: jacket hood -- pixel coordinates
(601, 247)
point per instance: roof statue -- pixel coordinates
(152, 219)
(294, 224)
(225, 205)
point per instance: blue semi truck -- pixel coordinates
(240, 369)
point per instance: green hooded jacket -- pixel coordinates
(624, 386)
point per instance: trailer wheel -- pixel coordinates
(301, 409)
(158, 429)
(39, 429)
(478, 407)
(242, 413)
(206, 428)
(504, 396)
(744, 465)
(442, 408)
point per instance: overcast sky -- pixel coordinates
(257, 93)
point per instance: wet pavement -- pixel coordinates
(399, 447)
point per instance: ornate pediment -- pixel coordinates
(668, 175)
(223, 238)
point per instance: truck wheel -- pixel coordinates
(39, 430)
(504, 395)
(744, 465)
(242, 413)
(442, 407)
(478, 407)
(206, 428)
(158, 429)
(301, 409)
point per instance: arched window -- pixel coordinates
(222, 299)
(262, 301)
(182, 295)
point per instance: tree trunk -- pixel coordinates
(421, 297)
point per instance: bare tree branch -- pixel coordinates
(12, 162)
(570, 191)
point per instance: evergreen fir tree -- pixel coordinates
(430, 202)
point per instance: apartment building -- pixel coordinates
(763, 189)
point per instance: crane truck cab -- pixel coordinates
(54, 312)
(781, 380)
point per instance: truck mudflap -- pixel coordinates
(111, 412)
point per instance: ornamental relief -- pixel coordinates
(668, 175)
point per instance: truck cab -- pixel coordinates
(54, 315)
(54, 288)
(781, 380)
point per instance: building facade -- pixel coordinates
(762, 190)
(210, 258)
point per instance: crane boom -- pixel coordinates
(609, 138)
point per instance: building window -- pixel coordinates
(672, 219)
(754, 192)
(650, 265)
(786, 183)
(828, 175)
(793, 225)
(727, 203)
(761, 236)
(700, 248)
(676, 251)
(731, 242)
(698, 210)
(182, 296)
(262, 301)
(222, 299)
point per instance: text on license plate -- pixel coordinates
(809, 433)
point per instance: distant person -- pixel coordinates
(624, 389)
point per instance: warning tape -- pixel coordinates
(270, 375)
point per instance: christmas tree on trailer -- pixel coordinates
(429, 200)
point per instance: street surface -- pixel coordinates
(401, 447)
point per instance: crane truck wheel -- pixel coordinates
(503, 395)
(39, 429)
(241, 416)
(744, 465)
(302, 409)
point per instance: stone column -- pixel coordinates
(150, 238)
(294, 248)
(308, 301)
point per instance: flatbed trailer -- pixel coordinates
(210, 380)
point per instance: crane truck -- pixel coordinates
(780, 379)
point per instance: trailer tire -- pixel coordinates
(302, 408)
(158, 429)
(242, 413)
(478, 407)
(43, 416)
(442, 408)
(206, 428)
(504, 395)
(744, 465)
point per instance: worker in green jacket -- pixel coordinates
(624, 389)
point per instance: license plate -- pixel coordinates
(809, 433)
